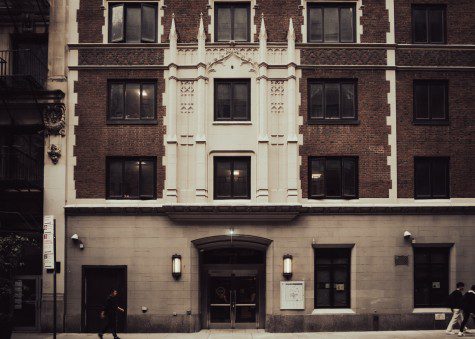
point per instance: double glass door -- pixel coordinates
(27, 302)
(233, 298)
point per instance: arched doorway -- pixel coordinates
(232, 281)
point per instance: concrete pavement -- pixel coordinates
(255, 334)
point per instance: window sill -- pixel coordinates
(422, 310)
(232, 123)
(132, 122)
(333, 122)
(324, 311)
(431, 122)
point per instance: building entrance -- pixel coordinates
(234, 288)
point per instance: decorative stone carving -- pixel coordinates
(220, 55)
(54, 119)
(277, 96)
(54, 153)
(187, 92)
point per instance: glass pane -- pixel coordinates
(116, 108)
(131, 179)
(421, 98)
(346, 24)
(437, 103)
(224, 24)
(332, 101)
(240, 24)
(316, 101)
(223, 179)
(348, 101)
(223, 101)
(323, 287)
(317, 183)
(340, 287)
(349, 178)
(148, 23)
(147, 184)
(333, 181)
(115, 179)
(132, 101)
(316, 26)
(420, 25)
(117, 28)
(240, 96)
(331, 26)
(133, 27)
(148, 101)
(439, 257)
(421, 257)
(422, 178)
(240, 178)
(436, 25)
(439, 178)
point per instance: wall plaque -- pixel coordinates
(292, 295)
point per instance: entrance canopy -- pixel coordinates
(227, 241)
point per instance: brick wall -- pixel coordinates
(187, 18)
(277, 14)
(375, 21)
(455, 140)
(95, 139)
(368, 140)
(460, 23)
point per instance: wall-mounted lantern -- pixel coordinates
(176, 266)
(287, 273)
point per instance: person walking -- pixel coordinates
(468, 308)
(109, 313)
(455, 304)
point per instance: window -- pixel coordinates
(331, 23)
(131, 178)
(232, 100)
(333, 178)
(132, 102)
(430, 102)
(431, 178)
(431, 276)
(232, 21)
(332, 277)
(232, 178)
(133, 22)
(332, 101)
(428, 24)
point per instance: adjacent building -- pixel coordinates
(292, 165)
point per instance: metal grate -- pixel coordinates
(401, 260)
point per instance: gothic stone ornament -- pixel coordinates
(54, 153)
(53, 118)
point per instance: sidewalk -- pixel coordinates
(255, 334)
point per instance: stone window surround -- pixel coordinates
(358, 26)
(211, 15)
(105, 28)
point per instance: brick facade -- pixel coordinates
(368, 140)
(454, 140)
(95, 140)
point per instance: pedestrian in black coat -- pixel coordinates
(468, 308)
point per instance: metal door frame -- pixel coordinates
(38, 281)
(84, 268)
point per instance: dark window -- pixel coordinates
(332, 101)
(232, 100)
(431, 178)
(132, 102)
(332, 277)
(133, 22)
(232, 21)
(331, 23)
(428, 24)
(430, 101)
(333, 178)
(431, 276)
(131, 178)
(232, 178)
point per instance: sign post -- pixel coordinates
(49, 257)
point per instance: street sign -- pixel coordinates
(48, 242)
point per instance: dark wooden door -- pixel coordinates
(97, 282)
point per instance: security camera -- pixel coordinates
(408, 236)
(75, 236)
(76, 240)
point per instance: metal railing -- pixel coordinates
(16, 166)
(23, 63)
